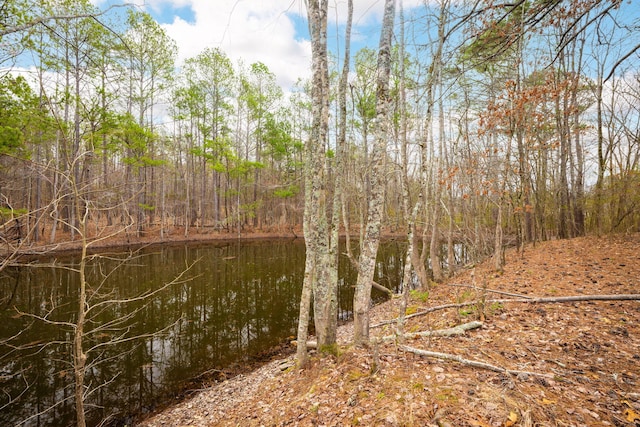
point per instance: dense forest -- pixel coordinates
(522, 122)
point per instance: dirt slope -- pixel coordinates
(583, 358)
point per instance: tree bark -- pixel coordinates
(79, 356)
(337, 203)
(447, 332)
(469, 362)
(371, 241)
(410, 217)
(319, 263)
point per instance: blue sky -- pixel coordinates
(167, 14)
(274, 31)
(270, 31)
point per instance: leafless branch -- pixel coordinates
(469, 362)
(62, 17)
(136, 337)
(491, 291)
(10, 399)
(46, 319)
(447, 332)
(177, 280)
(44, 411)
(531, 300)
(620, 61)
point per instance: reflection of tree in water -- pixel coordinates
(242, 301)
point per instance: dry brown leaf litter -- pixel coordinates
(589, 350)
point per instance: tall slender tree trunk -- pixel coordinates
(440, 165)
(434, 242)
(579, 215)
(338, 199)
(498, 259)
(319, 261)
(602, 162)
(371, 241)
(410, 217)
(561, 123)
(307, 287)
(79, 356)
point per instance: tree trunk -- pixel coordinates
(602, 162)
(319, 262)
(563, 219)
(367, 261)
(339, 173)
(498, 254)
(410, 217)
(79, 356)
(305, 307)
(434, 243)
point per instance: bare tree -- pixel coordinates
(92, 300)
(371, 240)
(319, 261)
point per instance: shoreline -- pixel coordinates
(119, 241)
(384, 385)
(236, 390)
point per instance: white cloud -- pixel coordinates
(262, 30)
(250, 30)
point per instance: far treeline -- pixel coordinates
(504, 124)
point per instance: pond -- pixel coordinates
(215, 305)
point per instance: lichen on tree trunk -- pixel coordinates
(320, 262)
(371, 240)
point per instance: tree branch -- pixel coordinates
(456, 330)
(620, 61)
(532, 300)
(381, 288)
(492, 291)
(45, 19)
(468, 362)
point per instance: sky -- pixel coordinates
(273, 32)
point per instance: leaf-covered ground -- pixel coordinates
(582, 358)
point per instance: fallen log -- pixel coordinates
(447, 332)
(456, 330)
(531, 300)
(381, 288)
(469, 362)
(487, 290)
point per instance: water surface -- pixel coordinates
(229, 301)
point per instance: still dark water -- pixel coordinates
(232, 301)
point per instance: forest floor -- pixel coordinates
(579, 362)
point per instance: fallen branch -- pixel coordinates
(531, 300)
(577, 298)
(426, 311)
(374, 284)
(468, 362)
(489, 291)
(310, 344)
(448, 332)
(381, 288)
